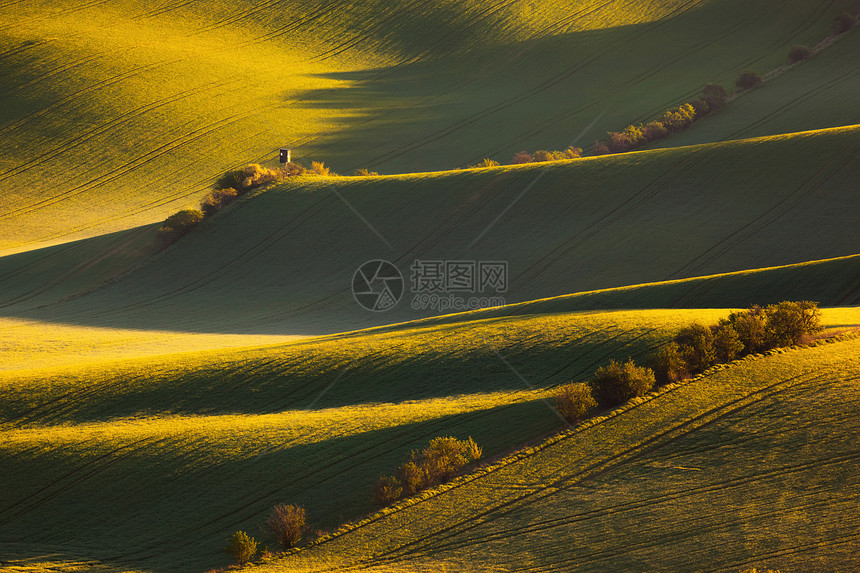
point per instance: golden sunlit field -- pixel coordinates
(156, 398)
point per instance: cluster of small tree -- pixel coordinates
(712, 98)
(286, 524)
(698, 347)
(694, 349)
(543, 155)
(610, 386)
(440, 461)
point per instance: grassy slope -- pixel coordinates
(754, 465)
(114, 115)
(150, 463)
(281, 262)
(818, 93)
(247, 428)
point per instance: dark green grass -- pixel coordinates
(282, 261)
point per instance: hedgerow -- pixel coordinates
(436, 464)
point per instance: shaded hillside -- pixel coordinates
(282, 261)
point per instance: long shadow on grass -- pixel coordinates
(169, 505)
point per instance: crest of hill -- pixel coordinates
(117, 114)
(281, 261)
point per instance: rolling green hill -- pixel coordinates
(814, 94)
(754, 465)
(148, 464)
(281, 262)
(115, 114)
(153, 401)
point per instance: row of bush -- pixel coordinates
(440, 461)
(436, 464)
(227, 189)
(712, 98)
(693, 350)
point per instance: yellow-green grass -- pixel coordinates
(116, 114)
(150, 463)
(753, 465)
(282, 261)
(814, 94)
(31, 344)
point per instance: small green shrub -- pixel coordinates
(444, 457)
(748, 80)
(178, 225)
(799, 53)
(573, 401)
(486, 163)
(654, 130)
(844, 22)
(388, 490)
(679, 117)
(615, 384)
(241, 547)
(600, 148)
(287, 524)
(668, 364)
(715, 96)
(789, 322)
(217, 199)
(696, 345)
(412, 475)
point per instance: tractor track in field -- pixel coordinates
(113, 123)
(75, 96)
(591, 471)
(84, 472)
(612, 215)
(124, 169)
(808, 187)
(800, 99)
(605, 511)
(718, 524)
(243, 257)
(164, 9)
(58, 279)
(541, 87)
(662, 439)
(653, 71)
